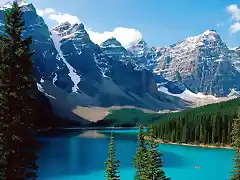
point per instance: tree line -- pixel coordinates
(128, 117)
(236, 143)
(210, 124)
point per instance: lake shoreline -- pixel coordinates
(193, 145)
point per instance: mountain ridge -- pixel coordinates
(72, 71)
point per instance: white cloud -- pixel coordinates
(49, 10)
(126, 36)
(42, 12)
(58, 17)
(235, 27)
(234, 11)
(61, 18)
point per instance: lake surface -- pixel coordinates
(73, 157)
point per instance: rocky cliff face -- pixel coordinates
(108, 73)
(47, 65)
(72, 71)
(202, 63)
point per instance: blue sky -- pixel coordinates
(161, 22)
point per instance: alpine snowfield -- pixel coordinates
(72, 72)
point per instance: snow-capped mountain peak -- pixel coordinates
(75, 32)
(78, 27)
(140, 49)
(203, 62)
(142, 43)
(63, 27)
(208, 36)
(111, 42)
(113, 48)
(210, 31)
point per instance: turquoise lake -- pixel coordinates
(73, 157)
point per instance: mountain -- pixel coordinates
(101, 69)
(73, 72)
(202, 63)
(143, 56)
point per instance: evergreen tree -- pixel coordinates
(214, 129)
(201, 136)
(236, 131)
(18, 149)
(184, 134)
(206, 124)
(236, 167)
(112, 165)
(140, 159)
(236, 143)
(155, 164)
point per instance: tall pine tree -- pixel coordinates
(214, 129)
(112, 165)
(140, 159)
(155, 165)
(18, 148)
(236, 143)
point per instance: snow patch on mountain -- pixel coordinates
(48, 95)
(72, 72)
(187, 95)
(40, 88)
(54, 79)
(234, 92)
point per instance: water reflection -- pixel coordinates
(77, 156)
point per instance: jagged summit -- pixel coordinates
(206, 36)
(70, 31)
(113, 48)
(78, 27)
(141, 42)
(62, 27)
(210, 31)
(140, 49)
(111, 42)
(204, 62)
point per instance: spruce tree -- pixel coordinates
(236, 143)
(155, 165)
(17, 100)
(112, 165)
(214, 129)
(236, 167)
(140, 159)
(236, 131)
(201, 136)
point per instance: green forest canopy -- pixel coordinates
(210, 124)
(132, 117)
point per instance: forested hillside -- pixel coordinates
(211, 124)
(129, 117)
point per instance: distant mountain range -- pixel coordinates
(72, 71)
